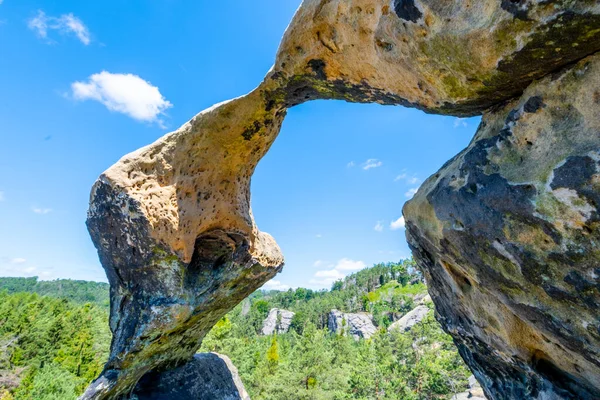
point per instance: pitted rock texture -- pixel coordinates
(172, 221)
(454, 57)
(208, 376)
(278, 321)
(507, 234)
(411, 318)
(359, 326)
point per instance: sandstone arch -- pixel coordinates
(175, 233)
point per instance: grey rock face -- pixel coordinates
(411, 318)
(278, 321)
(507, 235)
(511, 221)
(357, 325)
(475, 391)
(208, 376)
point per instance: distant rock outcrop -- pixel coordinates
(475, 391)
(278, 321)
(208, 376)
(357, 325)
(412, 318)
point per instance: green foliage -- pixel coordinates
(77, 291)
(310, 363)
(57, 346)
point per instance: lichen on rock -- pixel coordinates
(509, 224)
(507, 235)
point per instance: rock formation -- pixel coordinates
(359, 326)
(277, 321)
(208, 376)
(506, 232)
(411, 318)
(475, 391)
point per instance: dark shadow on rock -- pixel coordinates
(208, 376)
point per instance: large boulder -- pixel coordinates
(507, 233)
(172, 221)
(357, 325)
(278, 321)
(208, 376)
(409, 320)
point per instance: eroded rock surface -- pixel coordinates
(507, 235)
(277, 321)
(454, 57)
(172, 221)
(359, 325)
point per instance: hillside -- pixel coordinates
(77, 291)
(52, 346)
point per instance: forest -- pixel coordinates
(54, 338)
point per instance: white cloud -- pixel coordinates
(458, 122)
(2, 193)
(330, 274)
(378, 226)
(371, 163)
(318, 263)
(411, 192)
(276, 285)
(398, 224)
(41, 211)
(65, 24)
(336, 272)
(411, 180)
(18, 261)
(318, 236)
(124, 93)
(345, 264)
(350, 164)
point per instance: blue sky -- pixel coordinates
(83, 83)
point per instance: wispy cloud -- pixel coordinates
(336, 272)
(318, 236)
(378, 226)
(66, 24)
(350, 164)
(276, 285)
(458, 122)
(371, 163)
(400, 223)
(411, 192)
(2, 196)
(124, 93)
(41, 211)
(411, 180)
(17, 267)
(318, 263)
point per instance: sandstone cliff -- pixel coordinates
(506, 233)
(409, 320)
(277, 321)
(359, 326)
